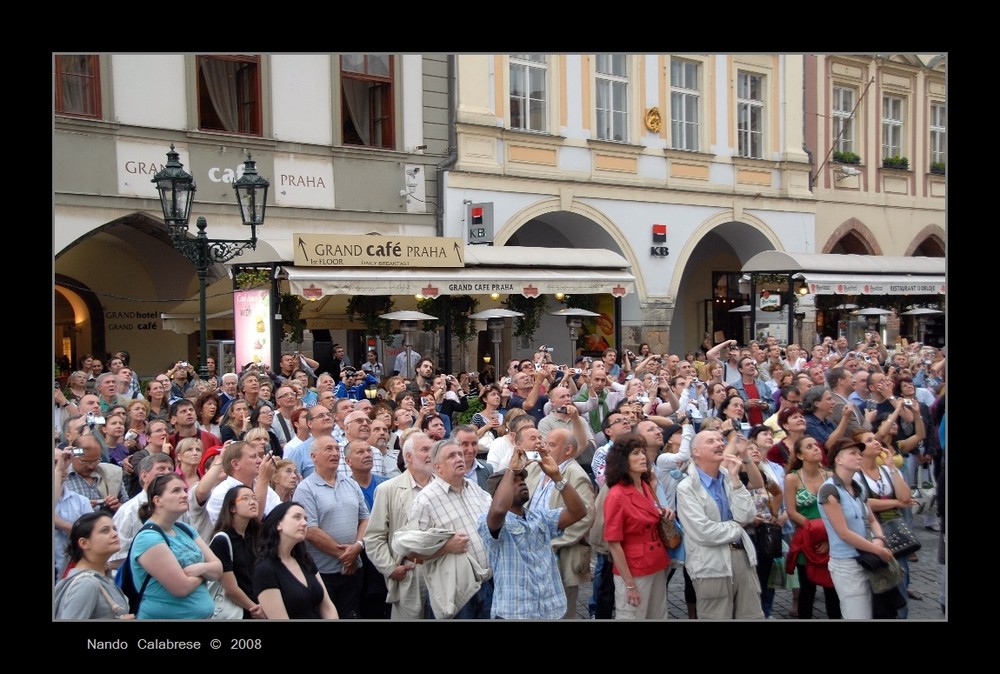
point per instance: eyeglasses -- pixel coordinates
(324, 415)
(88, 462)
(364, 422)
(248, 497)
(286, 394)
(621, 420)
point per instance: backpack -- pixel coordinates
(124, 578)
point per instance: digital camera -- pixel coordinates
(94, 420)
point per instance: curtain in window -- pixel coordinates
(76, 84)
(221, 88)
(356, 95)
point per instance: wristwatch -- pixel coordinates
(361, 542)
(560, 485)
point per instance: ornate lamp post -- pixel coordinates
(176, 187)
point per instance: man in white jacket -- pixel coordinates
(713, 507)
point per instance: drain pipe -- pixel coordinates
(440, 171)
(452, 156)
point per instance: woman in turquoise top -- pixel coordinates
(805, 476)
(175, 557)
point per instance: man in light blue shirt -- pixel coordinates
(518, 541)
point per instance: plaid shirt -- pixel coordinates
(95, 492)
(441, 506)
(527, 585)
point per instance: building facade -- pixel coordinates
(685, 167)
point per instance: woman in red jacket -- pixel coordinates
(631, 529)
(805, 475)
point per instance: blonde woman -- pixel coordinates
(189, 451)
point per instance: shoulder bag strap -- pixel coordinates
(284, 427)
(228, 543)
(142, 590)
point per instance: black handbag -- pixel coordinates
(899, 539)
(769, 540)
(883, 576)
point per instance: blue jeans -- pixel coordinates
(904, 612)
(478, 608)
(596, 584)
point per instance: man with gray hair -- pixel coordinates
(406, 591)
(229, 384)
(127, 518)
(454, 503)
(107, 389)
(358, 428)
(337, 516)
(715, 508)
(468, 440)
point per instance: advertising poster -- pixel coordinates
(598, 332)
(251, 311)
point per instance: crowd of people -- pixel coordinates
(367, 493)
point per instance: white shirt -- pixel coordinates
(500, 454)
(214, 505)
(400, 363)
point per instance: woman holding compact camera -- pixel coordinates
(732, 411)
(449, 397)
(490, 419)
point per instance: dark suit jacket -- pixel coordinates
(483, 471)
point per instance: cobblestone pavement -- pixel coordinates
(925, 578)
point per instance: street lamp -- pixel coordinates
(495, 319)
(407, 326)
(176, 187)
(574, 321)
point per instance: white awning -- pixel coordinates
(831, 274)
(873, 284)
(184, 317)
(506, 270)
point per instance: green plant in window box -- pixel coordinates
(938, 167)
(249, 278)
(896, 162)
(846, 158)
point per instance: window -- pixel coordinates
(612, 97)
(684, 100)
(938, 138)
(229, 94)
(843, 120)
(892, 127)
(78, 85)
(367, 100)
(527, 92)
(750, 115)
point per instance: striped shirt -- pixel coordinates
(441, 506)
